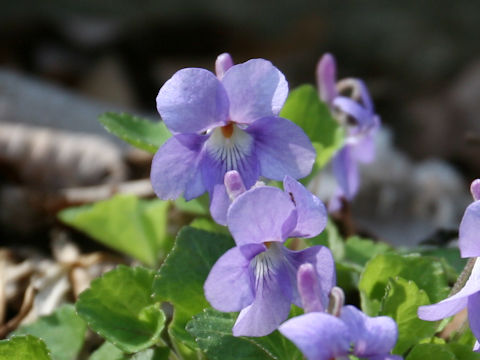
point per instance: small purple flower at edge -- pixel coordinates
(359, 145)
(226, 122)
(328, 330)
(258, 276)
(469, 296)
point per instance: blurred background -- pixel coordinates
(62, 63)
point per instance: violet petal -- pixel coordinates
(319, 336)
(345, 171)
(255, 89)
(219, 203)
(326, 78)
(273, 295)
(228, 286)
(260, 215)
(311, 212)
(175, 167)
(364, 117)
(475, 189)
(469, 234)
(309, 289)
(473, 308)
(193, 100)
(222, 64)
(282, 148)
(371, 335)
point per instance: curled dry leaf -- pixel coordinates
(51, 159)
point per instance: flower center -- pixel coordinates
(265, 264)
(227, 130)
(230, 145)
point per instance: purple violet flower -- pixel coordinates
(357, 114)
(340, 331)
(258, 276)
(226, 122)
(469, 296)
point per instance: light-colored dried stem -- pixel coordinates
(27, 305)
(463, 277)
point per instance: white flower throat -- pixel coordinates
(265, 264)
(230, 145)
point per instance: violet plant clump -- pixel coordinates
(276, 261)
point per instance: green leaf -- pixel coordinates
(152, 354)
(181, 277)
(331, 238)
(359, 250)
(347, 276)
(401, 302)
(465, 337)
(141, 133)
(451, 255)
(125, 223)
(427, 273)
(431, 352)
(305, 109)
(463, 352)
(119, 307)
(108, 351)
(213, 332)
(23, 348)
(198, 206)
(63, 332)
(209, 225)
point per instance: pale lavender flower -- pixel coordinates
(226, 122)
(469, 296)
(332, 331)
(258, 276)
(357, 114)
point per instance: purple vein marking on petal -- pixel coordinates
(273, 294)
(222, 154)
